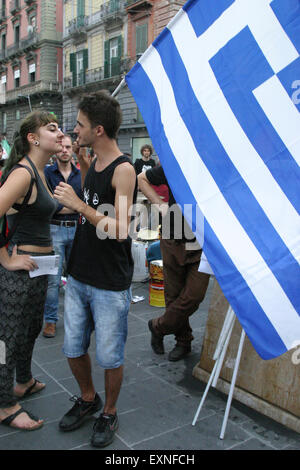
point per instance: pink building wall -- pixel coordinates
(10, 41)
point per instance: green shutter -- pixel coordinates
(113, 5)
(106, 59)
(80, 8)
(120, 44)
(141, 38)
(80, 12)
(73, 67)
(137, 39)
(85, 59)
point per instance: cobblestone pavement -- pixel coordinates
(157, 402)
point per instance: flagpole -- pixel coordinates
(233, 380)
(119, 87)
(219, 356)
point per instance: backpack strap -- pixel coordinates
(4, 238)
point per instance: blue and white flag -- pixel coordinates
(219, 90)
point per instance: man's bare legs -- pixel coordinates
(82, 371)
(113, 382)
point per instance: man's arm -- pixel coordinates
(151, 194)
(115, 227)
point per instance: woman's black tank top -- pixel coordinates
(34, 225)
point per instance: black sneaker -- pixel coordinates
(76, 415)
(104, 430)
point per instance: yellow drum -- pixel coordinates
(156, 284)
(156, 270)
(156, 295)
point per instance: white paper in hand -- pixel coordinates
(46, 265)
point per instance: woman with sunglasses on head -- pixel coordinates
(22, 298)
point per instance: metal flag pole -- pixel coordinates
(219, 356)
(119, 87)
(233, 380)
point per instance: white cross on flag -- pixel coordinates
(219, 90)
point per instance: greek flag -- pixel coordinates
(219, 90)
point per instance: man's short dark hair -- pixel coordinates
(102, 109)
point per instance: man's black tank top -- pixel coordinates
(102, 263)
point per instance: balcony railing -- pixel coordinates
(30, 40)
(96, 75)
(83, 78)
(3, 54)
(19, 47)
(109, 10)
(32, 88)
(77, 24)
(14, 49)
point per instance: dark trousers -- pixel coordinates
(21, 318)
(185, 288)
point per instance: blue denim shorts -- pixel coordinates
(88, 308)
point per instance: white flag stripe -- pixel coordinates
(219, 215)
(234, 140)
(268, 32)
(282, 113)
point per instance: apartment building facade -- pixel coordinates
(102, 40)
(145, 21)
(31, 70)
(94, 50)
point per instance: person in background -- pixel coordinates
(146, 162)
(63, 228)
(185, 287)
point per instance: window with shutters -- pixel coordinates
(17, 35)
(78, 67)
(112, 57)
(141, 38)
(17, 75)
(31, 72)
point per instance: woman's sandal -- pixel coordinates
(29, 390)
(7, 421)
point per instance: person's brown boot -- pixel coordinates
(157, 342)
(179, 352)
(49, 330)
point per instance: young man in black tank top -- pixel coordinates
(100, 266)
